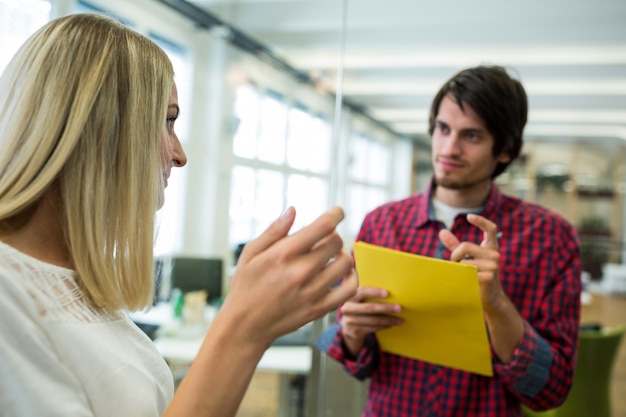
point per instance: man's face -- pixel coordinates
(462, 148)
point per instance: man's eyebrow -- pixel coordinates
(475, 129)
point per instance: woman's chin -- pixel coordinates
(160, 201)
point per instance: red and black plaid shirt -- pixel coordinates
(540, 272)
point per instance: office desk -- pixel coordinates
(282, 359)
(608, 309)
(292, 363)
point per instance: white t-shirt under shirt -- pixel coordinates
(446, 214)
(61, 357)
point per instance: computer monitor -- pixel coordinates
(194, 274)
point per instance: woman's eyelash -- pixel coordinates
(173, 117)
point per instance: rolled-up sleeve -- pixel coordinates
(541, 371)
(529, 368)
(361, 366)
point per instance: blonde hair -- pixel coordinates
(83, 106)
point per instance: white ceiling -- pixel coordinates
(569, 54)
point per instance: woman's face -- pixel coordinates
(173, 153)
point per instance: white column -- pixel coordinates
(208, 177)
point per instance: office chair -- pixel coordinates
(527, 412)
(590, 392)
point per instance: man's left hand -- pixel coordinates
(485, 257)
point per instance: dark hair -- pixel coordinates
(499, 100)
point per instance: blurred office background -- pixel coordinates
(314, 103)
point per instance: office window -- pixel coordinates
(268, 198)
(310, 197)
(308, 141)
(370, 161)
(19, 20)
(256, 200)
(282, 158)
(247, 103)
(272, 129)
(369, 179)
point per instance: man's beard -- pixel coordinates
(457, 184)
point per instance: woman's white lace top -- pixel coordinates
(61, 357)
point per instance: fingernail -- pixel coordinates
(286, 214)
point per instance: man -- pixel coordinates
(527, 259)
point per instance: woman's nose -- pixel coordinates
(179, 158)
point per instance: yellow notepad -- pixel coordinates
(441, 307)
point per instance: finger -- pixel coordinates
(307, 237)
(369, 293)
(465, 251)
(331, 274)
(332, 299)
(448, 239)
(370, 300)
(490, 229)
(325, 251)
(367, 324)
(366, 329)
(487, 262)
(276, 231)
(370, 308)
(324, 265)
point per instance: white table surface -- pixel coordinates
(282, 359)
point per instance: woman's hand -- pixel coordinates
(283, 282)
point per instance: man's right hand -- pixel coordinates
(361, 317)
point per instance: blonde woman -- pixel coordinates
(87, 142)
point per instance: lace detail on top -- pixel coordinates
(53, 289)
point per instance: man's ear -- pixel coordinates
(504, 158)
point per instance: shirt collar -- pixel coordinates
(426, 212)
(493, 202)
